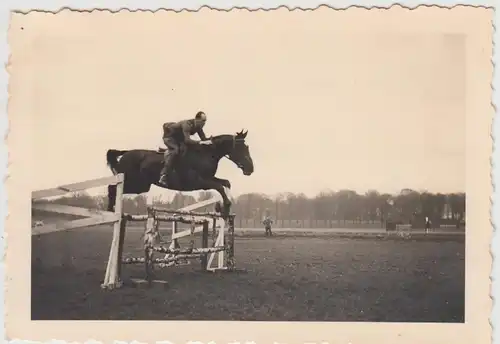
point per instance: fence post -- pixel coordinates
(230, 243)
(174, 231)
(204, 244)
(149, 237)
(123, 228)
(113, 268)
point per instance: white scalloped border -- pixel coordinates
(116, 6)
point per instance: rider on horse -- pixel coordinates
(177, 136)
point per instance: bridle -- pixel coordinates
(234, 142)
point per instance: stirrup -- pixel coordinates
(163, 180)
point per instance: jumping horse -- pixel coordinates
(195, 169)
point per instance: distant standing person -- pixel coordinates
(428, 224)
(267, 222)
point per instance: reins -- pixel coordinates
(233, 147)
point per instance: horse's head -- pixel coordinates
(235, 148)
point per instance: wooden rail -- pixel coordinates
(93, 217)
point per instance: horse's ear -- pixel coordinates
(242, 134)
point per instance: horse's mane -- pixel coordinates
(162, 149)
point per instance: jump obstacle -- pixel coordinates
(222, 248)
(221, 251)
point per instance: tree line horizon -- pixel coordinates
(325, 209)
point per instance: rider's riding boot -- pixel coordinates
(165, 170)
(163, 177)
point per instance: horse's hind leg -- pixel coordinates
(128, 188)
(111, 197)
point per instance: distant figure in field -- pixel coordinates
(428, 224)
(267, 222)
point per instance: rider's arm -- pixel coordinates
(186, 129)
(202, 135)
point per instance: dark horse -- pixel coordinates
(194, 170)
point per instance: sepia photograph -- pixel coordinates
(265, 166)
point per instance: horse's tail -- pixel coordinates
(112, 158)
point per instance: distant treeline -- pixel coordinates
(344, 208)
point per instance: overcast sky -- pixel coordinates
(326, 106)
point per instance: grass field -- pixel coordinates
(288, 278)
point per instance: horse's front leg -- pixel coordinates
(214, 184)
(223, 182)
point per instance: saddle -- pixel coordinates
(176, 161)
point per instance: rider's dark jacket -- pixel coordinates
(181, 131)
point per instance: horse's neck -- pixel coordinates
(213, 152)
(221, 150)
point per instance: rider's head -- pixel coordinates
(200, 119)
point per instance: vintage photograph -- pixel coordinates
(271, 166)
